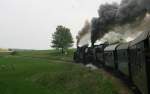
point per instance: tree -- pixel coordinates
(62, 38)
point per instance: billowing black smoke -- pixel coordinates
(82, 34)
(111, 15)
(94, 30)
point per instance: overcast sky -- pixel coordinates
(28, 24)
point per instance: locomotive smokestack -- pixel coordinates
(112, 15)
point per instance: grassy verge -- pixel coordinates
(49, 72)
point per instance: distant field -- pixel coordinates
(49, 72)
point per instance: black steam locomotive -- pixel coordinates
(130, 59)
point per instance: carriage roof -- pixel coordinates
(141, 37)
(123, 46)
(111, 47)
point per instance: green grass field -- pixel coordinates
(49, 72)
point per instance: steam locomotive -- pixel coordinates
(130, 59)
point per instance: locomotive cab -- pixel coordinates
(89, 55)
(99, 54)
